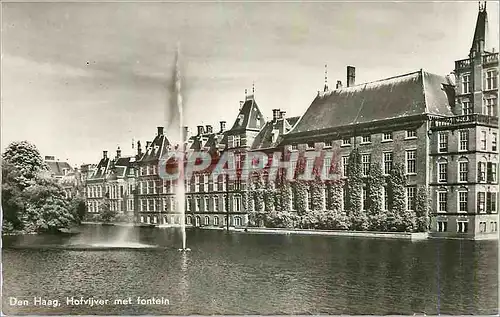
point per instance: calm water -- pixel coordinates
(240, 273)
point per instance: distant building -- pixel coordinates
(66, 175)
(443, 129)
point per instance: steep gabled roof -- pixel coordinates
(272, 133)
(57, 168)
(401, 96)
(156, 149)
(248, 117)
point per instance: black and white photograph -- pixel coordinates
(249, 158)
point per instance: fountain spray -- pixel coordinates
(175, 127)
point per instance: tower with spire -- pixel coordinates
(477, 76)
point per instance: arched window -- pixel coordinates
(197, 221)
(216, 221)
(188, 220)
(237, 221)
(207, 221)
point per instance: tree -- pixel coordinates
(47, 208)
(78, 208)
(107, 215)
(26, 159)
(399, 218)
(13, 204)
(358, 217)
(422, 210)
(375, 186)
(258, 193)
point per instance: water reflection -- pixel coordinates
(231, 273)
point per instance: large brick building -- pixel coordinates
(443, 129)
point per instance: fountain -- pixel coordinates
(175, 129)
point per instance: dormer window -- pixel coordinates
(240, 119)
(257, 123)
(276, 133)
(236, 141)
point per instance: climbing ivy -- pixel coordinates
(375, 187)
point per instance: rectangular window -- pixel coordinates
(216, 203)
(493, 226)
(482, 226)
(326, 167)
(328, 143)
(466, 83)
(490, 106)
(346, 141)
(442, 142)
(491, 202)
(483, 140)
(387, 136)
(387, 161)
(491, 172)
(236, 141)
(411, 192)
(462, 226)
(206, 204)
(481, 202)
(466, 108)
(463, 140)
(442, 172)
(442, 226)
(411, 162)
(188, 204)
(463, 202)
(365, 161)
(237, 203)
(494, 142)
(294, 147)
(366, 139)
(224, 203)
(491, 80)
(411, 134)
(345, 163)
(151, 205)
(442, 201)
(198, 204)
(463, 171)
(481, 172)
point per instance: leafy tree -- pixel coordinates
(358, 217)
(78, 208)
(258, 193)
(300, 189)
(375, 186)
(318, 195)
(107, 215)
(13, 204)
(269, 197)
(47, 208)
(26, 159)
(422, 210)
(399, 218)
(335, 193)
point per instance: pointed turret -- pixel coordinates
(481, 42)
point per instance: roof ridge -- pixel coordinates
(423, 90)
(375, 81)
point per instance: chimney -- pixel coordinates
(160, 130)
(222, 126)
(276, 114)
(139, 150)
(282, 114)
(339, 84)
(50, 158)
(241, 104)
(208, 128)
(104, 154)
(185, 133)
(200, 130)
(351, 76)
(118, 152)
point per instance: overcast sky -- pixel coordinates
(79, 78)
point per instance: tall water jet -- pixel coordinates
(175, 132)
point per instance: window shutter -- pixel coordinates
(479, 171)
(488, 202)
(489, 172)
(478, 202)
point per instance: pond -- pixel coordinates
(118, 270)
